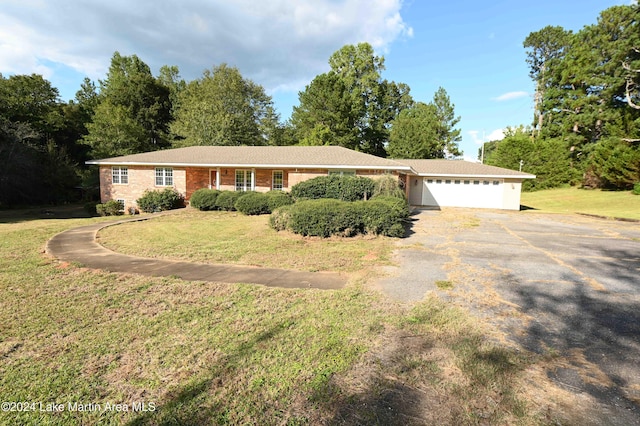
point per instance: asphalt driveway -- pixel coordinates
(556, 284)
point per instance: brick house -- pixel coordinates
(266, 168)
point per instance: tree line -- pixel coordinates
(44, 142)
(586, 124)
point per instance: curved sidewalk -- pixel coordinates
(80, 245)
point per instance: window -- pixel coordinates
(122, 203)
(457, 182)
(476, 182)
(448, 181)
(244, 180)
(438, 181)
(277, 180)
(120, 175)
(485, 182)
(164, 176)
(429, 180)
(467, 182)
(496, 182)
(342, 172)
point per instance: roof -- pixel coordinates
(461, 168)
(258, 156)
(325, 157)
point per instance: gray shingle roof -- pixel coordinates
(335, 157)
(258, 156)
(460, 168)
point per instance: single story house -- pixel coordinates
(436, 183)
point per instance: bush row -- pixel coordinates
(326, 217)
(346, 188)
(250, 203)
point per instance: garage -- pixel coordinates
(457, 183)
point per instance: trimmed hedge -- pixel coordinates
(636, 189)
(226, 200)
(253, 203)
(326, 217)
(204, 199)
(280, 218)
(110, 208)
(278, 199)
(345, 188)
(156, 201)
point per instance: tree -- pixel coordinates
(327, 114)
(356, 106)
(414, 134)
(447, 135)
(546, 47)
(223, 108)
(141, 108)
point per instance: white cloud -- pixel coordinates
(510, 96)
(478, 136)
(496, 135)
(274, 42)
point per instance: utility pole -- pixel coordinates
(482, 151)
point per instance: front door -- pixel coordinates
(212, 179)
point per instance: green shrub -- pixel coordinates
(226, 200)
(326, 217)
(280, 218)
(321, 218)
(110, 208)
(385, 216)
(388, 186)
(156, 201)
(636, 189)
(253, 203)
(346, 188)
(278, 199)
(204, 199)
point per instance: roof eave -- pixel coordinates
(252, 165)
(467, 175)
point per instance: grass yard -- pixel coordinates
(620, 204)
(209, 353)
(231, 237)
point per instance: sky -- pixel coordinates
(472, 49)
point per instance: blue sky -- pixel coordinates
(472, 49)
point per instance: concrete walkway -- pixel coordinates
(79, 245)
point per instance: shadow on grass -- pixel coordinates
(70, 211)
(523, 207)
(191, 405)
(409, 388)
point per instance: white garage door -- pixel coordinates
(474, 192)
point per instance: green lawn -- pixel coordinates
(211, 353)
(620, 204)
(231, 237)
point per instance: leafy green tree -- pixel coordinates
(414, 134)
(132, 105)
(546, 48)
(326, 114)
(223, 108)
(616, 163)
(426, 130)
(351, 105)
(447, 135)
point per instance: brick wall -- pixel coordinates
(196, 178)
(141, 178)
(187, 181)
